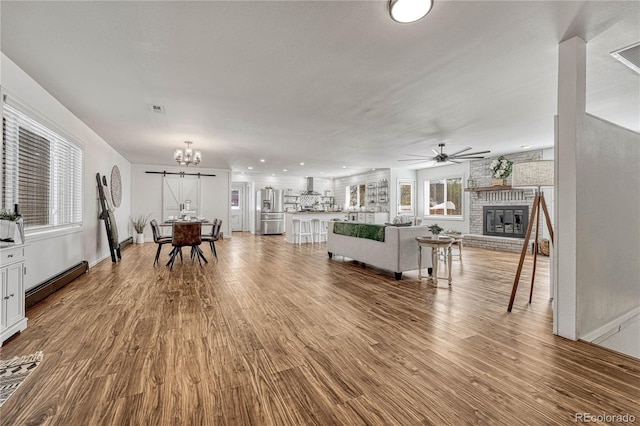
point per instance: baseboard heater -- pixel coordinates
(50, 286)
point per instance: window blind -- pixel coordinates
(42, 173)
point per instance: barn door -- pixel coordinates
(177, 190)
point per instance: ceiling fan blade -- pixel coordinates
(416, 159)
(477, 153)
(464, 157)
(454, 161)
(418, 155)
(435, 151)
(459, 152)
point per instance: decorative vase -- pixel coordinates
(435, 236)
(139, 238)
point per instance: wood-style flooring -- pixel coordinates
(279, 334)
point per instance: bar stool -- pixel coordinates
(320, 227)
(302, 228)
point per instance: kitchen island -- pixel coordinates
(288, 221)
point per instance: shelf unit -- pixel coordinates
(383, 191)
(327, 200)
(290, 199)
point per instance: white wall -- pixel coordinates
(608, 226)
(448, 171)
(50, 255)
(146, 194)
(597, 208)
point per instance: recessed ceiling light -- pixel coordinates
(406, 11)
(372, 169)
(250, 168)
(273, 174)
(525, 146)
(262, 160)
(302, 164)
(285, 170)
(344, 167)
(321, 173)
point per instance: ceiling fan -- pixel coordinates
(443, 157)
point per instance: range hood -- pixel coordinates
(310, 190)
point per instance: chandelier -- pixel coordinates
(186, 156)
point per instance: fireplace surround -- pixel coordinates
(505, 221)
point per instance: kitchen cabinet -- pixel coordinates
(12, 271)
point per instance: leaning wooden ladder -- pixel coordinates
(109, 220)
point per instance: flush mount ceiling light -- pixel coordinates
(186, 156)
(406, 11)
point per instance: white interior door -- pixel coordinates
(237, 208)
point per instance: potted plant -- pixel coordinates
(139, 223)
(501, 170)
(11, 227)
(435, 230)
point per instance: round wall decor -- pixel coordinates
(116, 186)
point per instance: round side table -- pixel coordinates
(435, 244)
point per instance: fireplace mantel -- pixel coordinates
(490, 188)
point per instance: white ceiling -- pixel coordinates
(332, 84)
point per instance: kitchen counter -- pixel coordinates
(288, 220)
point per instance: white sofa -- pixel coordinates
(398, 252)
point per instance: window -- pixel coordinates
(354, 195)
(443, 197)
(405, 196)
(41, 172)
(235, 199)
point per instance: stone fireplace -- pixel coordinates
(508, 208)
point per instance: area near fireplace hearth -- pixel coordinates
(498, 218)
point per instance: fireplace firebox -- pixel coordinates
(505, 221)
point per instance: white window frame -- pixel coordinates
(427, 197)
(347, 196)
(72, 180)
(410, 209)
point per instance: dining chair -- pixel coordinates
(213, 237)
(158, 239)
(186, 234)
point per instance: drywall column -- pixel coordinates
(571, 111)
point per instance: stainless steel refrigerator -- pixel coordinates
(270, 211)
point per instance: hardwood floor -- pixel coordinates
(278, 334)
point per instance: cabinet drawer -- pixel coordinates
(11, 254)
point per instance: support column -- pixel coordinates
(571, 112)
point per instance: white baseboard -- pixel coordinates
(612, 327)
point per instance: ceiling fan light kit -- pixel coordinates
(407, 11)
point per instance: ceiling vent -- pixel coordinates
(156, 108)
(630, 56)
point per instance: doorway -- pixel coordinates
(237, 207)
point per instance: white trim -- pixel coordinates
(612, 327)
